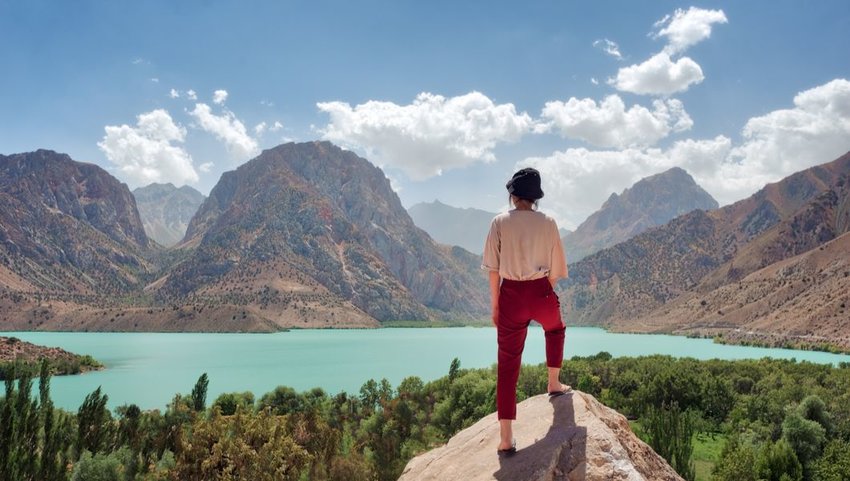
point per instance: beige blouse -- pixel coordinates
(523, 245)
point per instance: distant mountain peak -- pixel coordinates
(464, 227)
(650, 202)
(166, 210)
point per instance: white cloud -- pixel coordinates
(228, 129)
(155, 80)
(191, 95)
(205, 167)
(610, 47)
(219, 96)
(658, 76)
(428, 136)
(684, 29)
(266, 103)
(816, 130)
(146, 153)
(594, 81)
(609, 124)
(174, 94)
(263, 127)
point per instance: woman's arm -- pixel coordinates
(495, 282)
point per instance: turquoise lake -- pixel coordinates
(149, 368)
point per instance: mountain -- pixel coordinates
(650, 202)
(449, 225)
(571, 437)
(166, 210)
(68, 228)
(309, 234)
(635, 285)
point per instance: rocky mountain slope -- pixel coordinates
(650, 202)
(309, 233)
(626, 285)
(68, 228)
(166, 210)
(450, 225)
(571, 437)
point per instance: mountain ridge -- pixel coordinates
(651, 201)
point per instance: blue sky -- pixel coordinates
(737, 93)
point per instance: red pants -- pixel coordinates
(520, 302)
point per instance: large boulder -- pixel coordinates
(572, 437)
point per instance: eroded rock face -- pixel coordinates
(572, 437)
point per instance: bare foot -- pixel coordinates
(559, 388)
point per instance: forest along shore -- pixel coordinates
(28, 356)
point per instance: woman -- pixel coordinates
(525, 258)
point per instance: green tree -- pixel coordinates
(454, 368)
(199, 393)
(102, 466)
(670, 431)
(51, 466)
(737, 462)
(834, 465)
(805, 437)
(229, 402)
(94, 424)
(777, 462)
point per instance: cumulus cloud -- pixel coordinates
(816, 130)
(610, 124)
(684, 28)
(227, 128)
(191, 95)
(276, 126)
(147, 152)
(610, 47)
(174, 94)
(658, 76)
(428, 136)
(219, 96)
(661, 74)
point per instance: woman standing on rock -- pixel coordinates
(524, 255)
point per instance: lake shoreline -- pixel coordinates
(729, 336)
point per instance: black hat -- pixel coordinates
(525, 184)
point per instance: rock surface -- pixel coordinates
(572, 437)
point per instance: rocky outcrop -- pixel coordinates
(650, 202)
(572, 437)
(166, 210)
